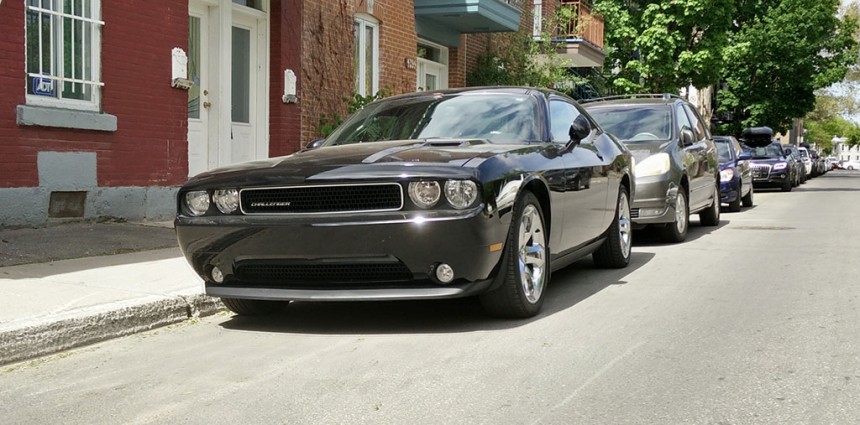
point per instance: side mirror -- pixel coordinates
(580, 129)
(744, 156)
(314, 144)
(687, 137)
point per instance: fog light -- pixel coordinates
(651, 212)
(217, 275)
(444, 273)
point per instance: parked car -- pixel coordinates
(677, 173)
(770, 162)
(807, 161)
(851, 165)
(736, 185)
(443, 194)
(798, 169)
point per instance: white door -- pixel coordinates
(227, 109)
(432, 66)
(244, 114)
(198, 95)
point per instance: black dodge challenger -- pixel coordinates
(478, 191)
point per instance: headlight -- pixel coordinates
(425, 194)
(654, 165)
(227, 200)
(727, 174)
(197, 202)
(779, 166)
(461, 193)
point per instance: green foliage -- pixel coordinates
(781, 52)
(661, 46)
(523, 60)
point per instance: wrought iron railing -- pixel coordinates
(580, 21)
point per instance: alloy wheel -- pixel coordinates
(532, 254)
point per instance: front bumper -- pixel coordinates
(767, 177)
(654, 201)
(730, 190)
(381, 256)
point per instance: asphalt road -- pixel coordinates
(752, 322)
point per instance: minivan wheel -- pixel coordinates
(677, 231)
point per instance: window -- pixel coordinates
(537, 25)
(366, 56)
(63, 53)
(562, 116)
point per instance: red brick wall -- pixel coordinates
(149, 147)
(327, 55)
(285, 128)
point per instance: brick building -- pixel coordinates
(107, 106)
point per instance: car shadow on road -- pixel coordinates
(567, 288)
(650, 236)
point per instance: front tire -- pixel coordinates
(525, 264)
(786, 185)
(677, 230)
(748, 198)
(735, 205)
(615, 251)
(245, 307)
(711, 216)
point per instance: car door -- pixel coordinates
(586, 178)
(703, 174)
(743, 166)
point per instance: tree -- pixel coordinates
(661, 46)
(780, 53)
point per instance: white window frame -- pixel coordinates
(442, 64)
(537, 24)
(364, 22)
(57, 74)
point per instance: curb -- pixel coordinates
(48, 335)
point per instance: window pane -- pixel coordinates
(194, 67)
(241, 84)
(40, 47)
(368, 61)
(357, 58)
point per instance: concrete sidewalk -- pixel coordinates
(49, 305)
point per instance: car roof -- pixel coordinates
(512, 90)
(634, 99)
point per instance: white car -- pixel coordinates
(851, 165)
(807, 160)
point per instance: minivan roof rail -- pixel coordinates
(664, 96)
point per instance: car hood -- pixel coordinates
(767, 160)
(642, 150)
(361, 160)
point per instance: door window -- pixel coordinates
(194, 40)
(562, 115)
(682, 119)
(241, 81)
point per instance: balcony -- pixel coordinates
(447, 19)
(581, 29)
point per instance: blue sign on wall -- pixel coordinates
(43, 86)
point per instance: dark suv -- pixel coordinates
(677, 172)
(771, 163)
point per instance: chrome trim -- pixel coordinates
(242, 206)
(334, 294)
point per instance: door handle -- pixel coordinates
(207, 105)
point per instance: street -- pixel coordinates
(753, 321)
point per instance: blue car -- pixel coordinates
(736, 180)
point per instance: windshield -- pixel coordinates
(723, 150)
(635, 123)
(769, 151)
(496, 117)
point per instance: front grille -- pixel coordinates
(760, 171)
(634, 213)
(321, 275)
(322, 199)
